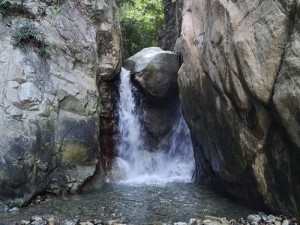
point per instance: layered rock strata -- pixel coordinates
(53, 56)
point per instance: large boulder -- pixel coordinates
(239, 89)
(52, 57)
(154, 70)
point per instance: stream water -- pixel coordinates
(153, 187)
(138, 204)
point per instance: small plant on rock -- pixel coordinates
(27, 36)
(14, 8)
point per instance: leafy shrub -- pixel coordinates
(27, 36)
(55, 9)
(140, 22)
(13, 7)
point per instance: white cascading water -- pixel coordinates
(137, 165)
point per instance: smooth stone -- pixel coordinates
(253, 218)
(155, 70)
(180, 223)
(235, 223)
(286, 222)
(71, 222)
(192, 222)
(14, 209)
(53, 221)
(86, 223)
(39, 222)
(271, 219)
(212, 218)
(114, 222)
(36, 218)
(263, 216)
(97, 222)
(24, 222)
(212, 223)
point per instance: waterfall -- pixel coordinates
(134, 162)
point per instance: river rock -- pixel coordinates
(25, 222)
(53, 221)
(50, 103)
(239, 91)
(255, 218)
(71, 222)
(154, 70)
(192, 221)
(286, 222)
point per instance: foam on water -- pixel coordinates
(136, 165)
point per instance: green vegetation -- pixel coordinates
(55, 9)
(26, 36)
(12, 8)
(140, 22)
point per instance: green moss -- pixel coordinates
(75, 152)
(13, 8)
(27, 36)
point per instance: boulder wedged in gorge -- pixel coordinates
(49, 93)
(154, 70)
(239, 89)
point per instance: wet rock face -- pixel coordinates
(154, 71)
(50, 102)
(238, 88)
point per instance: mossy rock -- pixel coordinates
(76, 152)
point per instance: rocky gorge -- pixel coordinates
(239, 92)
(237, 86)
(54, 56)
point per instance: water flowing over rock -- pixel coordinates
(238, 88)
(137, 161)
(49, 97)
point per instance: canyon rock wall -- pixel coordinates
(52, 60)
(239, 89)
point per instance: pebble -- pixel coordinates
(192, 222)
(212, 218)
(14, 209)
(71, 222)
(271, 219)
(286, 222)
(263, 216)
(53, 221)
(36, 218)
(255, 219)
(98, 222)
(206, 221)
(114, 222)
